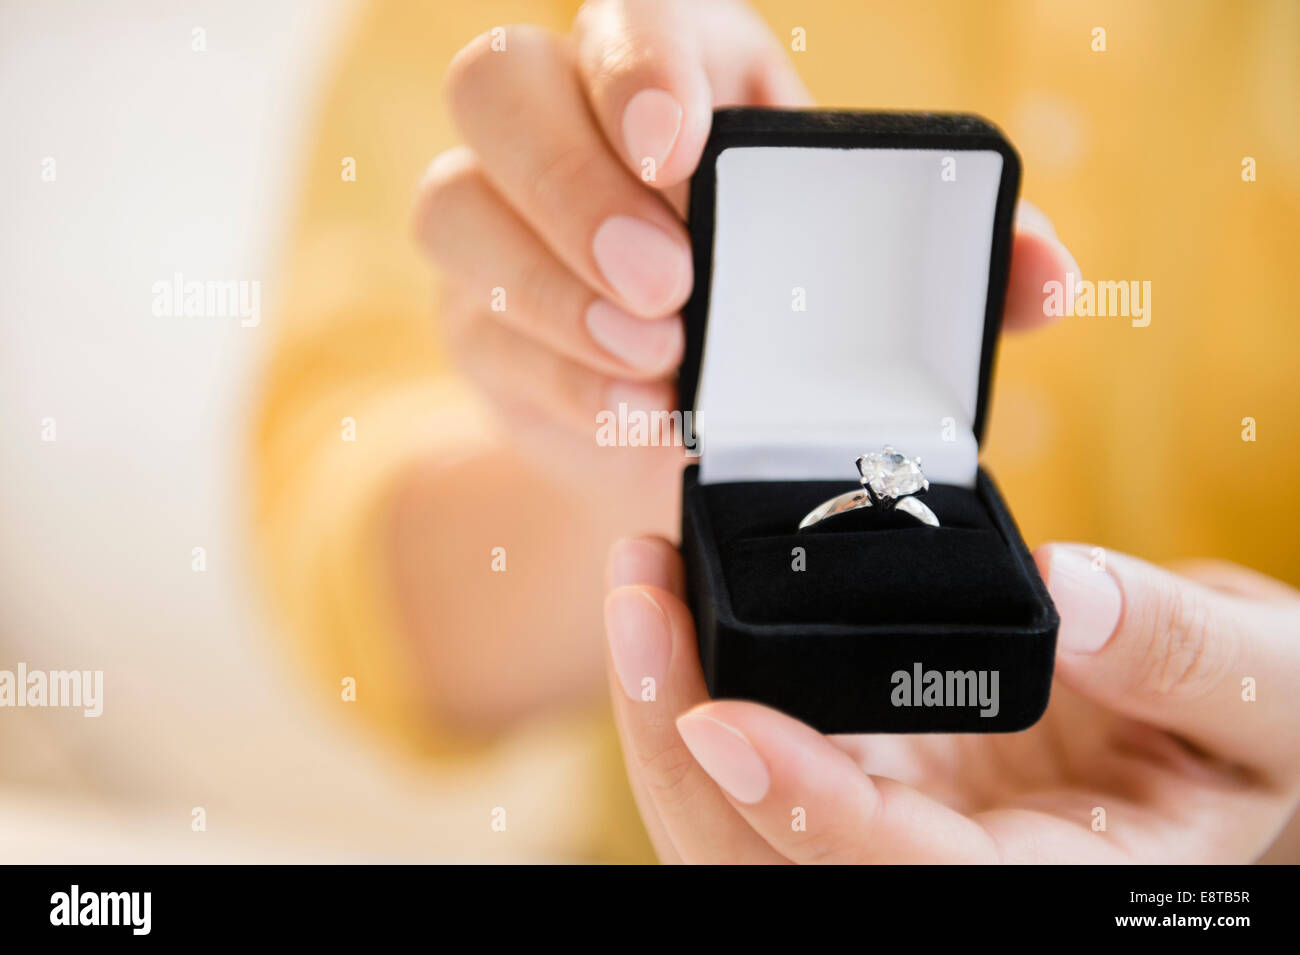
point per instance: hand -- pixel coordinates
(568, 199)
(1148, 723)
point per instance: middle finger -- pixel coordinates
(522, 111)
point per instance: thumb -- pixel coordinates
(1160, 648)
(653, 76)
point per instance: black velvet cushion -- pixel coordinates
(865, 567)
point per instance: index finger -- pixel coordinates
(654, 70)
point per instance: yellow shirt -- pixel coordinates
(1129, 437)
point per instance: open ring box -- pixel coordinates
(850, 273)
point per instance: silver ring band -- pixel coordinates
(840, 504)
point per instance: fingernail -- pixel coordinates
(649, 344)
(1087, 598)
(648, 268)
(639, 641)
(651, 121)
(724, 753)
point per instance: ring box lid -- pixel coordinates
(850, 275)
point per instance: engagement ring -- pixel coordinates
(890, 481)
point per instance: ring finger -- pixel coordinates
(520, 371)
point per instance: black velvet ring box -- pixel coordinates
(850, 273)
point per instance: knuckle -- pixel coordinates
(593, 10)
(562, 176)
(448, 180)
(478, 63)
(629, 57)
(620, 50)
(1190, 649)
(669, 776)
(466, 69)
(666, 766)
(587, 14)
(548, 295)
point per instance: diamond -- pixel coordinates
(890, 475)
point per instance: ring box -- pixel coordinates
(850, 274)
